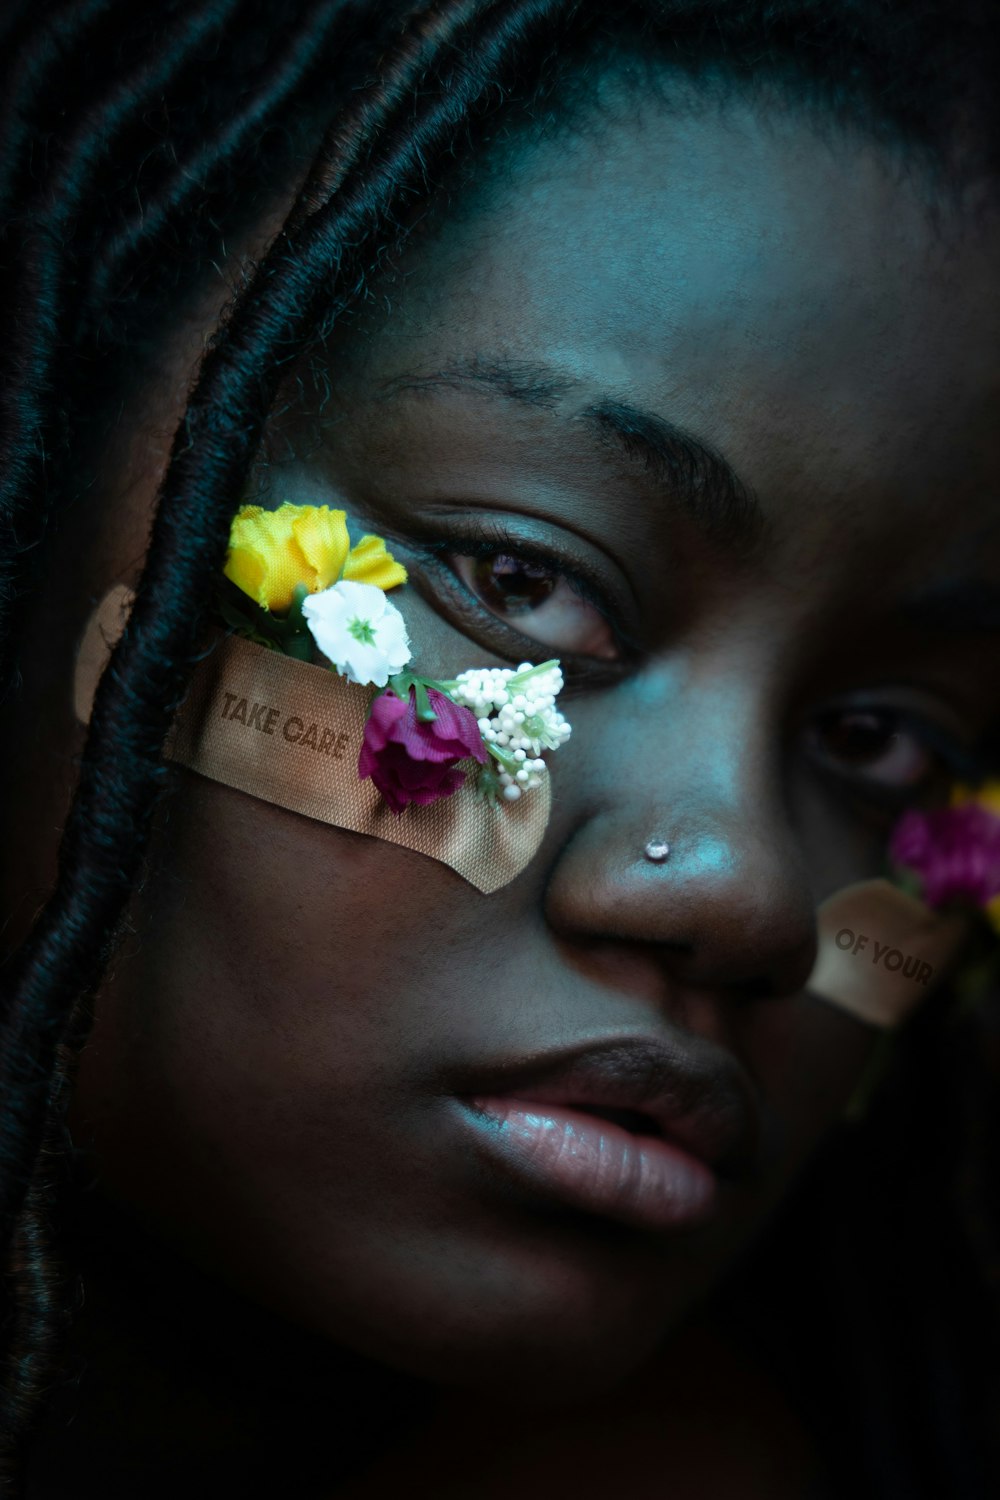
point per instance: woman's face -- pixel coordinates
(283, 1057)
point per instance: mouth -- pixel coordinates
(635, 1129)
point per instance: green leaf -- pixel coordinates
(909, 881)
(279, 633)
(295, 620)
(403, 682)
(247, 627)
(299, 647)
(425, 713)
(487, 785)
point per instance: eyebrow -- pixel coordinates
(697, 477)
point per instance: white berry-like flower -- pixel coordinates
(517, 717)
(363, 635)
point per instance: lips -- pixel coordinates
(636, 1129)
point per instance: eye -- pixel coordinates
(538, 599)
(882, 746)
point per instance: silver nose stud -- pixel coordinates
(656, 851)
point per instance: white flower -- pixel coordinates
(517, 718)
(363, 635)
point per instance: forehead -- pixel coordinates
(791, 295)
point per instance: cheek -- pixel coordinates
(242, 1083)
(284, 985)
(265, 935)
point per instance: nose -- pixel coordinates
(699, 768)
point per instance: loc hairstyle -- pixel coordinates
(136, 136)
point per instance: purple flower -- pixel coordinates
(410, 761)
(956, 850)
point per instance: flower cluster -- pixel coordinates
(517, 717)
(499, 712)
(296, 584)
(955, 851)
(298, 567)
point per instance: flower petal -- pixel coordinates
(264, 560)
(362, 599)
(247, 569)
(363, 664)
(457, 724)
(369, 562)
(955, 850)
(321, 533)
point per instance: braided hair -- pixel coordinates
(137, 138)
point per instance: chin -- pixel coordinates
(541, 1323)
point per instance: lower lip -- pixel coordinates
(596, 1165)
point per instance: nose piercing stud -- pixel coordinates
(656, 851)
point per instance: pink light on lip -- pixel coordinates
(597, 1165)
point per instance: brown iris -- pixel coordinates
(858, 737)
(512, 585)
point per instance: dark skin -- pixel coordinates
(270, 1083)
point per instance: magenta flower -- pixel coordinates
(411, 761)
(956, 851)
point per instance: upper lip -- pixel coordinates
(688, 1091)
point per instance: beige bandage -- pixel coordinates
(290, 733)
(882, 951)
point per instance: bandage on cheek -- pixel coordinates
(882, 951)
(290, 733)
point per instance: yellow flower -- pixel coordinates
(987, 795)
(369, 562)
(270, 551)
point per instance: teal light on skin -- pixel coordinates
(702, 859)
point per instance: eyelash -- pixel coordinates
(491, 537)
(956, 761)
(495, 538)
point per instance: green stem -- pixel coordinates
(503, 756)
(520, 678)
(514, 684)
(298, 640)
(295, 618)
(299, 647)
